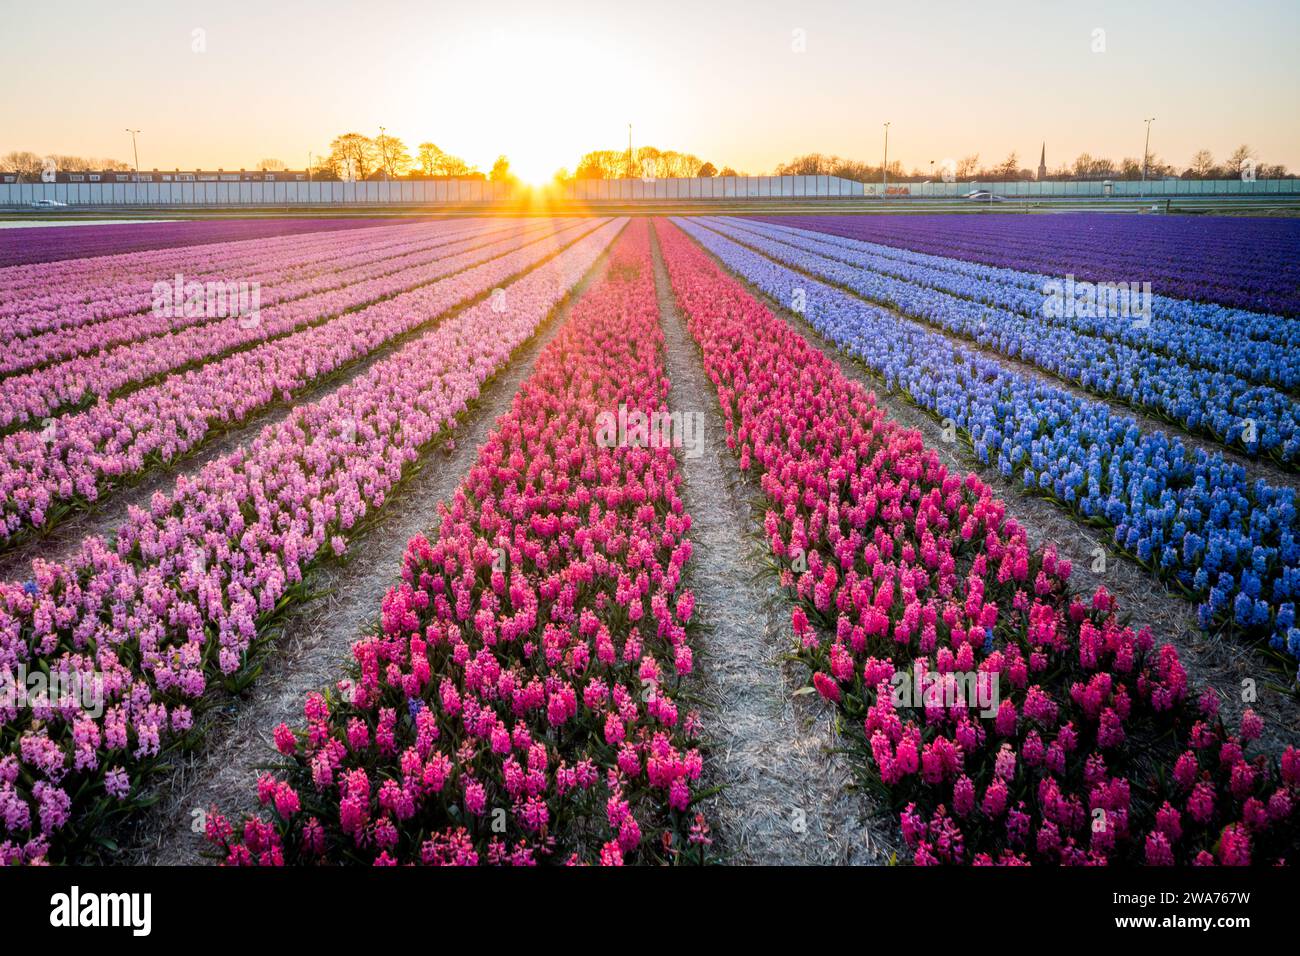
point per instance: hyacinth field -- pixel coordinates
(908, 539)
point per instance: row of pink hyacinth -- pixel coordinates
(31, 395)
(517, 706)
(45, 474)
(175, 601)
(73, 292)
(280, 279)
(1099, 749)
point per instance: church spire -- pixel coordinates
(1042, 163)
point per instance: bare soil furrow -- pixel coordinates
(786, 795)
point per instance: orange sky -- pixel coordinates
(736, 83)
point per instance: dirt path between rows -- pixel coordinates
(315, 644)
(786, 798)
(1219, 662)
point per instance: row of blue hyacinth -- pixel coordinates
(1257, 419)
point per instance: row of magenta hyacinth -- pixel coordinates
(175, 601)
(78, 457)
(1239, 262)
(28, 397)
(913, 568)
(1192, 518)
(518, 705)
(132, 312)
(55, 243)
(1256, 419)
(1202, 335)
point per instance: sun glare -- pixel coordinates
(521, 101)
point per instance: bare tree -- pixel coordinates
(1202, 164)
(80, 164)
(810, 164)
(677, 164)
(967, 165)
(1087, 166)
(26, 164)
(394, 159)
(589, 167)
(1157, 167)
(271, 165)
(427, 155)
(449, 165)
(71, 164)
(1238, 160)
(353, 156)
(501, 171)
(325, 170)
(602, 164)
(645, 162)
(859, 171)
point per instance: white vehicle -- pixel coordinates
(47, 203)
(983, 195)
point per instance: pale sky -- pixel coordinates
(543, 82)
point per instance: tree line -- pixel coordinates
(351, 156)
(355, 156)
(646, 162)
(1243, 162)
(29, 165)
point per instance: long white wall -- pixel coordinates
(453, 192)
(1126, 188)
(257, 194)
(716, 187)
(418, 192)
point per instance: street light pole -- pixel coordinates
(1146, 152)
(884, 167)
(135, 152)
